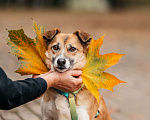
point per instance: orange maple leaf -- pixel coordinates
(31, 52)
(93, 73)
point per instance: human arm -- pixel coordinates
(15, 93)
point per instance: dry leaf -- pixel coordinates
(31, 52)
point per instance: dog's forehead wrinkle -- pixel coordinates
(66, 38)
(58, 44)
(70, 45)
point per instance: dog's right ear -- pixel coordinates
(84, 37)
(49, 35)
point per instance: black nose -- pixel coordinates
(61, 62)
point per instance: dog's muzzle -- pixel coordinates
(61, 64)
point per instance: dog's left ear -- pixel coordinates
(84, 37)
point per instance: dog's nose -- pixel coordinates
(61, 62)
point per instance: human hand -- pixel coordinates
(68, 81)
(65, 81)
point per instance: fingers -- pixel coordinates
(76, 72)
(75, 88)
(78, 80)
(77, 83)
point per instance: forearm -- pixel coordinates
(15, 93)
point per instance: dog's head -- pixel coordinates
(66, 51)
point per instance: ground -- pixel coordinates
(127, 32)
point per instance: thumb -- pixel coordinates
(79, 80)
(76, 72)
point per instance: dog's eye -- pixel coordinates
(55, 47)
(72, 49)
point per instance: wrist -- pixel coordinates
(49, 80)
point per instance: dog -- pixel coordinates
(65, 52)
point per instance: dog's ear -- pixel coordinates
(49, 35)
(84, 37)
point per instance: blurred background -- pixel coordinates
(126, 24)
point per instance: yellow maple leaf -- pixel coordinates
(31, 52)
(93, 73)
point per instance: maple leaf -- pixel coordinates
(93, 73)
(31, 52)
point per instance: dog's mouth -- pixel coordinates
(61, 69)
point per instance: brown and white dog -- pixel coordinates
(65, 52)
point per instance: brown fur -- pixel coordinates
(80, 40)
